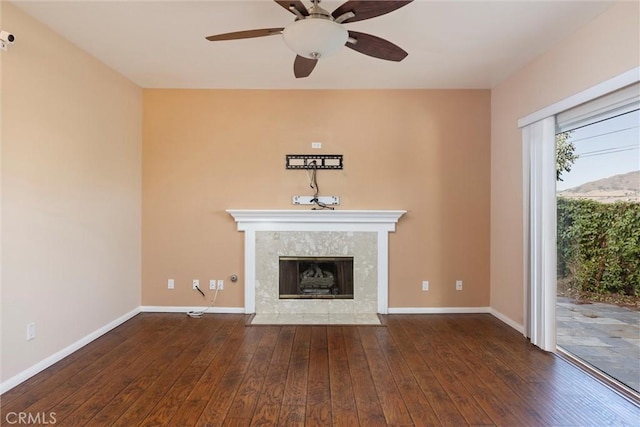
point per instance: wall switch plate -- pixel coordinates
(220, 285)
(458, 285)
(31, 331)
(425, 285)
(212, 284)
(196, 283)
(171, 283)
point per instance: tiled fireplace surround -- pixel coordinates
(270, 234)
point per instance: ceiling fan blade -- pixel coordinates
(297, 4)
(375, 46)
(368, 9)
(302, 66)
(248, 34)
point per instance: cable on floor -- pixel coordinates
(198, 313)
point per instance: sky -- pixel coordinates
(605, 149)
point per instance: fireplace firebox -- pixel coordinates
(316, 277)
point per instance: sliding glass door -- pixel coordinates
(598, 240)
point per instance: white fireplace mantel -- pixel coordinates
(381, 222)
(267, 219)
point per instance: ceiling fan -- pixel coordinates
(316, 33)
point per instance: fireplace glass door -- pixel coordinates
(316, 277)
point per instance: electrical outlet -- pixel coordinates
(31, 331)
(316, 145)
(171, 283)
(196, 283)
(458, 285)
(425, 285)
(220, 285)
(212, 284)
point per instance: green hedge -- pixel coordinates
(599, 245)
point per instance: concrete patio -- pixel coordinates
(605, 336)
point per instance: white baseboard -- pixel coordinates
(506, 319)
(56, 357)
(182, 309)
(438, 310)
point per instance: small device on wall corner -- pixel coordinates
(314, 161)
(6, 38)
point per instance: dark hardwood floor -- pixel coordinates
(430, 370)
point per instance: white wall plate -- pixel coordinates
(308, 200)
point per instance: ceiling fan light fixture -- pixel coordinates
(315, 38)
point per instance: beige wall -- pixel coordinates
(71, 173)
(428, 152)
(1, 200)
(604, 48)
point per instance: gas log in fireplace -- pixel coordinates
(316, 277)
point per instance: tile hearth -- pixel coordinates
(316, 319)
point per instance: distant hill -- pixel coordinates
(625, 187)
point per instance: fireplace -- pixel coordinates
(315, 277)
(274, 234)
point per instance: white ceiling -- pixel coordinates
(451, 44)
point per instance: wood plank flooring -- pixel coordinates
(416, 370)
